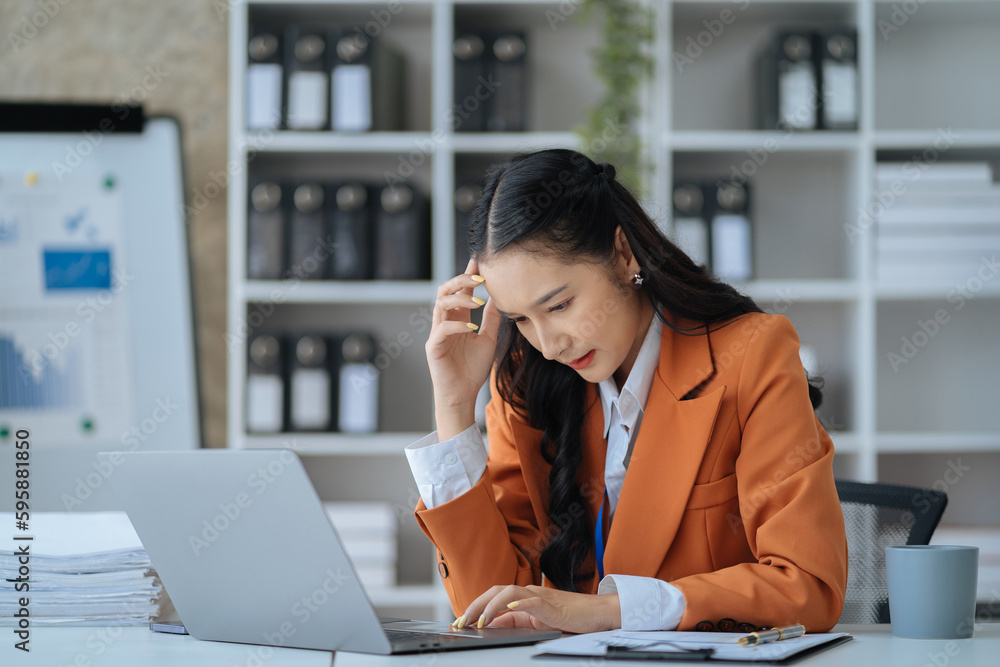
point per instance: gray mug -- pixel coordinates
(932, 590)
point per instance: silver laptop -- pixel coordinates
(247, 554)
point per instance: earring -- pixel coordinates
(636, 279)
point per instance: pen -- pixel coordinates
(772, 635)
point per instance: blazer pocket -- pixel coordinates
(713, 493)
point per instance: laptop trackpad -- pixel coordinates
(468, 632)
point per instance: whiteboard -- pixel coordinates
(96, 333)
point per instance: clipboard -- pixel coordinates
(687, 646)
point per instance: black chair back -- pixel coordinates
(878, 516)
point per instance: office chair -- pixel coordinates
(878, 516)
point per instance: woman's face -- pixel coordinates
(571, 313)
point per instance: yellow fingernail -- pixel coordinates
(482, 620)
(473, 326)
(513, 605)
(478, 300)
(460, 622)
(478, 278)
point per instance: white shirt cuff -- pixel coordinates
(445, 470)
(646, 603)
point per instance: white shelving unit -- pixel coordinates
(936, 72)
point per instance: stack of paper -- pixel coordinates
(987, 538)
(77, 569)
(937, 223)
(368, 532)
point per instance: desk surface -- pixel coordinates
(129, 647)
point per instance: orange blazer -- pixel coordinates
(729, 495)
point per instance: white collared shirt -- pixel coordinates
(623, 410)
(445, 470)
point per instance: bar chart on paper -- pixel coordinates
(64, 348)
(29, 382)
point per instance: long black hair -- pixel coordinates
(561, 202)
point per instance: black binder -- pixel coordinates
(788, 85)
(471, 97)
(307, 87)
(308, 257)
(357, 410)
(266, 402)
(403, 235)
(508, 108)
(731, 232)
(352, 231)
(367, 84)
(264, 80)
(691, 233)
(467, 196)
(838, 74)
(310, 384)
(265, 232)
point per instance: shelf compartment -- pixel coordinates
(561, 86)
(408, 32)
(830, 330)
(405, 392)
(716, 90)
(384, 479)
(954, 229)
(935, 67)
(799, 203)
(936, 366)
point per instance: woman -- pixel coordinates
(651, 433)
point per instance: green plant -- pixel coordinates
(623, 63)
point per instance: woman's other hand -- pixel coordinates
(459, 357)
(542, 608)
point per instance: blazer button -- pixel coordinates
(746, 627)
(727, 625)
(443, 569)
(704, 626)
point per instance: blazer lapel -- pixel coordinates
(665, 461)
(666, 457)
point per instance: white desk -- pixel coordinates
(138, 647)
